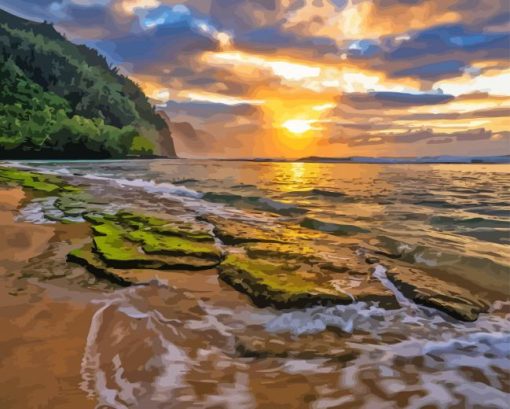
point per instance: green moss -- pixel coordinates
(128, 240)
(160, 244)
(110, 243)
(277, 285)
(87, 258)
(163, 227)
(35, 181)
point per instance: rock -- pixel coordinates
(35, 181)
(281, 283)
(232, 232)
(128, 275)
(433, 292)
(284, 346)
(285, 251)
(332, 228)
(130, 241)
(164, 227)
(154, 243)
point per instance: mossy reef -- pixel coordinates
(275, 268)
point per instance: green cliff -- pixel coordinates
(63, 101)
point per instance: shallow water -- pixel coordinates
(188, 340)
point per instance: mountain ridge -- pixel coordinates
(62, 100)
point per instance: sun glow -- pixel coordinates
(297, 126)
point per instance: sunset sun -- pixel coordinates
(297, 126)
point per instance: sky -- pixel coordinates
(294, 78)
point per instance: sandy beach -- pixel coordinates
(44, 324)
(123, 292)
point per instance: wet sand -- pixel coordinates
(44, 325)
(186, 339)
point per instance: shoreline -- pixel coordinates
(258, 301)
(45, 324)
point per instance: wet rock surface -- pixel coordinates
(272, 264)
(282, 281)
(125, 242)
(323, 345)
(35, 181)
(234, 232)
(424, 289)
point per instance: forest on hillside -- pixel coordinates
(61, 100)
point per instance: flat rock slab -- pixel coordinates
(314, 346)
(88, 258)
(433, 292)
(281, 283)
(47, 184)
(234, 232)
(125, 242)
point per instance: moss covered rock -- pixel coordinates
(134, 242)
(277, 285)
(87, 257)
(35, 181)
(282, 277)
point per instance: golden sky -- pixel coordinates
(309, 77)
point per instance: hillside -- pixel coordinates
(61, 100)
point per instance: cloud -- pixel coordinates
(413, 136)
(384, 74)
(382, 100)
(452, 38)
(435, 70)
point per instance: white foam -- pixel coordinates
(380, 274)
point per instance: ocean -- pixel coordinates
(192, 340)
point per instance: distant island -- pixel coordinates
(389, 160)
(405, 160)
(59, 100)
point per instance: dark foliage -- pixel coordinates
(60, 100)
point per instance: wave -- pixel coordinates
(332, 228)
(255, 202)
(471, 222)
(150, 186)
(484, 229)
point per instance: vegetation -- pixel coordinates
(130, 240)
(277, 285)
(61, 100)
(35, 181)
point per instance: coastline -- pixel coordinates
(44, 323)
(245, 302)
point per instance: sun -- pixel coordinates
(297, 126)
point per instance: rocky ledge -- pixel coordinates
(273, 266)
(427, 290)
(125, 241)
(282, 281)
(36, 182)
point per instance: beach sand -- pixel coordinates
(44, 325)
